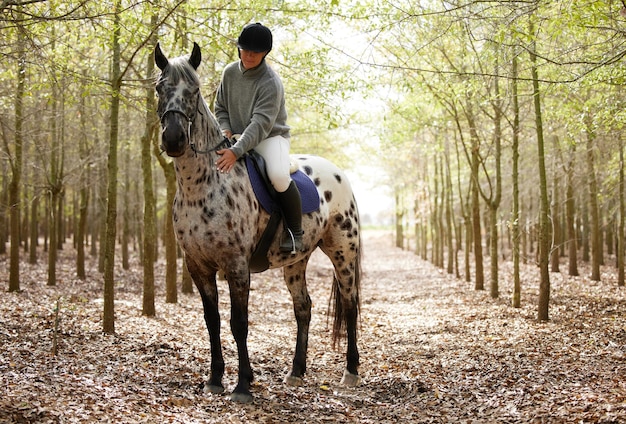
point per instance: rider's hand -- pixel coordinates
(226, 160)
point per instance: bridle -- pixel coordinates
(225, 143)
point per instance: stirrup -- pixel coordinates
(292, 243)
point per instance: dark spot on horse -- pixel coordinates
(347, 225)
(328, 195)
(338, 178)
(308, 170)
(317, 182)
(202, 178)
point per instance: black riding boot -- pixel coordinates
(291, 206)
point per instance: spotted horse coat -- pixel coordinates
(218, 222)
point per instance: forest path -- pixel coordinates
(432, 350)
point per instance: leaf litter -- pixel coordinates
(433, 350)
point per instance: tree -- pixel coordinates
(111, 211)
(596, 246)
(622, 212)
(149, 205)
(516, 300)
(544, 217)
(16, 163)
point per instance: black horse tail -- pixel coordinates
(345, 310)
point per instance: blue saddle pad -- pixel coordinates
(308, 191)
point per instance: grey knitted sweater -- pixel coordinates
(251, 102)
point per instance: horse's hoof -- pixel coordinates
(241, 397)
(292, 380)
(210, 388)
(350, 380)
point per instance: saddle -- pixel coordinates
(266, 195)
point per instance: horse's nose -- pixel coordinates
(173, 139)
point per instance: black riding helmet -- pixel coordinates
(255, 37)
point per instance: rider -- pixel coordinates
(251, 101)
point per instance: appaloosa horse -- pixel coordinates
(219, 221)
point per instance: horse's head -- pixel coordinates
(178, 89)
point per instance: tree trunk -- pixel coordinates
(102, 223)
(16, 168)
(84, 195)
(126, 212)
(450, 225)
(437, 203)
(34, 227)
(111, 210)
(149, 208)
(584, 233)
(517, 289)
(556, 236)
(53, 190)
(622, 210)
(169, 238)
(544, 217)
(4, 199)
(594, 211)
(479, 284)
(187, 286)
(570, 217)
(494, 202)
(399, 219)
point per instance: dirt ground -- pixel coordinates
(432, 350)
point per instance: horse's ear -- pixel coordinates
(196, 56)
(159, 58)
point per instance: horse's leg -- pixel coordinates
(295, 277)
(239, 284)
(346, 288)
(351, 309)
(205, 282)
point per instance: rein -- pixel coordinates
(226, 143)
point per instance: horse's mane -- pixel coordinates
(180, 68)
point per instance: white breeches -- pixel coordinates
(275, 151)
